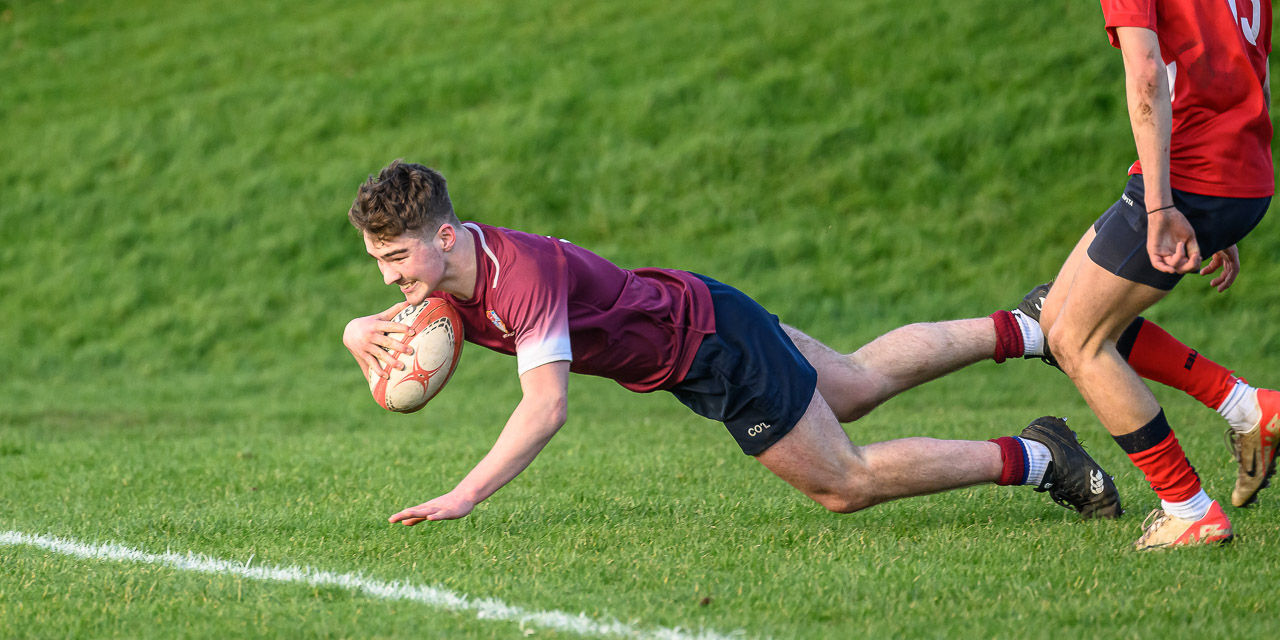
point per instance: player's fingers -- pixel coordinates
(1160, 256)
(391, 313)
(1162, 263)
(384, 358)
(411, 513)
(371, 364)
(1228, 277)
(412, 521)
(395, 345)
(1193, 255)
(1178, 260)
(393, 327)
(1214, 263)
(1193, 261)
(1221, 282)
(387, 362)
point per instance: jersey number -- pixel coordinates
(1249, 27)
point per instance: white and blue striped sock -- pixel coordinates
(1038, 458)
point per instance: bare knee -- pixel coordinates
(851, 496)
(843, 504)
(851, 407)
(1071, 347)
(854, 410)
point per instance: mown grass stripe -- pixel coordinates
(484, 609)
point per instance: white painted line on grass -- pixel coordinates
(485, 609)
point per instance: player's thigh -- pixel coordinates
(850, 390)
(816, 456)
(1062, 284)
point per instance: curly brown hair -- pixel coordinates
(404, 197)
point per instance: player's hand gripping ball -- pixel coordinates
(436, 343)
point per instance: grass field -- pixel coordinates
(176, 271)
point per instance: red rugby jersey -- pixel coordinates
(547, 300)
(1215, 52)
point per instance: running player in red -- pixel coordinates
(560, 308)
(1198, 92)
(1252, 415)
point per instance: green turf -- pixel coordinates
(176, 270)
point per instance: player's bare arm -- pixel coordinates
(367, 340)
(543, 409)
(1171, 242)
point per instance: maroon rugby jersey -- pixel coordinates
(1215, 53)
(547, 300)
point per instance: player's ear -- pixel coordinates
(446, 235)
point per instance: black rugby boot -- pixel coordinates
(1073, 479)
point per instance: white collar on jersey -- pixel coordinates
(497, 268)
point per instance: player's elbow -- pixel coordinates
(555, 411)
(1144, 78)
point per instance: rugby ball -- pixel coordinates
(436, 344)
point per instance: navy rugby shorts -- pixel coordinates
(1121, 244)
(748, 374)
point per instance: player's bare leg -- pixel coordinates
(1088, 316)
(853, 384)
(1097, 306)
(818, 458)
(1253, 415)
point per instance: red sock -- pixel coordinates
(1014, 458)
(1155, 450)
(1158, 356)
(1008, 337)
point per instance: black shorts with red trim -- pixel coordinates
(748, 374)
(1121, 244)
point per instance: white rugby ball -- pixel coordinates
(436, 343)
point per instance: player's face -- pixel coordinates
(410, 262)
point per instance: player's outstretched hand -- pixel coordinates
(1171, 242)
(1229, 261)
(447, 507)
(366, 338)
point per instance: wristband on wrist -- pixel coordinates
(1161, 209)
